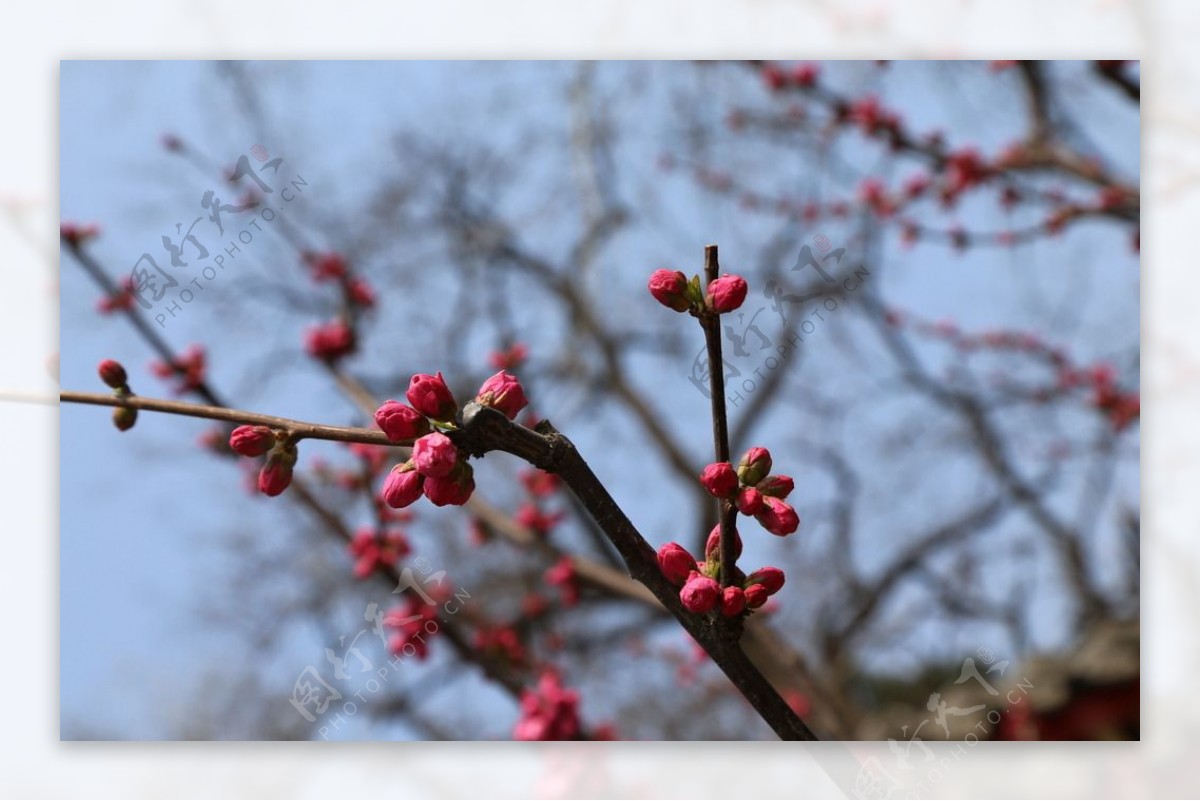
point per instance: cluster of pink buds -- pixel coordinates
(563, 576)
(549, 712)
(374, 550)
(188, 368)
(674, 290)
(413, 622)
(113, 374)
(502, 641)
(801, 76)
(437, 469)
(699, 590)
(330, 342)
(754, 491)
(255, 441)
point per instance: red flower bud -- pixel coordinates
(778, 517)
(749, 501)
(712, 548)
(430, 396)
(402, 486)
(670, 289)
(503, 391)
(400, 422)
(776, 486)
(251, 440)
(733, 601)
(754, 466)
(452, 490)
(719, 479)
(434, 455)
(113, 374)
(756, 596)
(276, 474)
(700, 594)
(124, 417)
(726, 293)
(675, 563)
(769, 578)
(330, 341)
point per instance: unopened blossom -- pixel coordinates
(276, 474)
(503, 392)
(675, 563)
(400, 422)
(749, 501)
(756, 595)
(360, 293)
(402, 486)
(733, 601)
(776, 486)
(452, 490)
(330, 341)
(77, 233)
(251, 440)
(550, 712)
(189, 368)
(373, 551)
(539, 483)
(700, 594)
(430, 396)
(327, 266)
(719, 479)
(113, 374)
(531, 517)
(414, 622)
(563, 576)
(712, 547)
(770, 578)
(434, 455)
(669, 287)
(778, 517)
(124, 417)
(509, 359)
(502, 640)
(754, 466)
(726, 293)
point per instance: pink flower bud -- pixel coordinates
(719, 479)
(749, 501)
(503, 391)
(276, 474)
(700, 594)
(434, 455)
(430, 396)
(113, 374)
(769, 578)
(251, 440)
(400, 422)
(124, 417)
(452, 490)
(402, 486)
(330, 341)
(754, 466)
(756, 595)
(675, 563)
(733, 601)
(726, 293)
(776, 486)
(778, 517)
(712, 548)
(669, 287)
